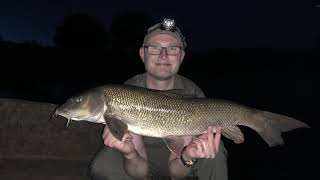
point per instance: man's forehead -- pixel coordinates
(165, 38)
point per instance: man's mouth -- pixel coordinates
(163, 64)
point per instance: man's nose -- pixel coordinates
(163, 53)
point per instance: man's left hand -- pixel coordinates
(204, 146)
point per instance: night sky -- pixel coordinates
(206, 24)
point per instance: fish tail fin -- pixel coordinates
(270, 126)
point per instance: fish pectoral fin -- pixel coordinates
(175, 144)
(116, 127)
(234, 133)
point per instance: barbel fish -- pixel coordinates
(166, 114)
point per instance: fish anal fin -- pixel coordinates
(234, 133)
(116, 127)
(175, 144)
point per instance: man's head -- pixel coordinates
(162, 51)
(167, 26)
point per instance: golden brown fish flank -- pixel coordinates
(164, 113)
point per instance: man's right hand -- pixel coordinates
(132, 148)
(126, 147)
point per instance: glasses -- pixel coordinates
(156, 50)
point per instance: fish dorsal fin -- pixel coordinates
(175, 144)
(178, 93)
(234, 133)
(116, 127)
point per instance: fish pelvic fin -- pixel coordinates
(116, 127)
(270, 126)
(234, 133)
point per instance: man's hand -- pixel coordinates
(126, 147)
(204, 146)
(132, 148)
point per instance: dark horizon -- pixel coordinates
(206, 25)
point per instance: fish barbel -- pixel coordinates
(166, 114)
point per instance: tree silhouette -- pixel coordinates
(81, 31)
(127, 31)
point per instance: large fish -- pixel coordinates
(171, 114)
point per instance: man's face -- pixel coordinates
(162, 66)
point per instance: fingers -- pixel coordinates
(108, 138)
(217, 139)
(201, 148)
(207, 145)
(105, 132)
(127, 137)
(112, 142)
(210, 144)
(206, 149)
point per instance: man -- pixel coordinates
(137, 157)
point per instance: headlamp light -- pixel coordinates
(168, 24)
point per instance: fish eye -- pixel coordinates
(79, 99)
(76, 99)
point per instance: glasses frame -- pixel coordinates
(163, 47)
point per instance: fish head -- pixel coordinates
(88, 106)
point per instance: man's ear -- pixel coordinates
(141, 53)
(182, 56)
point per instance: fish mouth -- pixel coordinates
(69, 116)
(64, 114)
